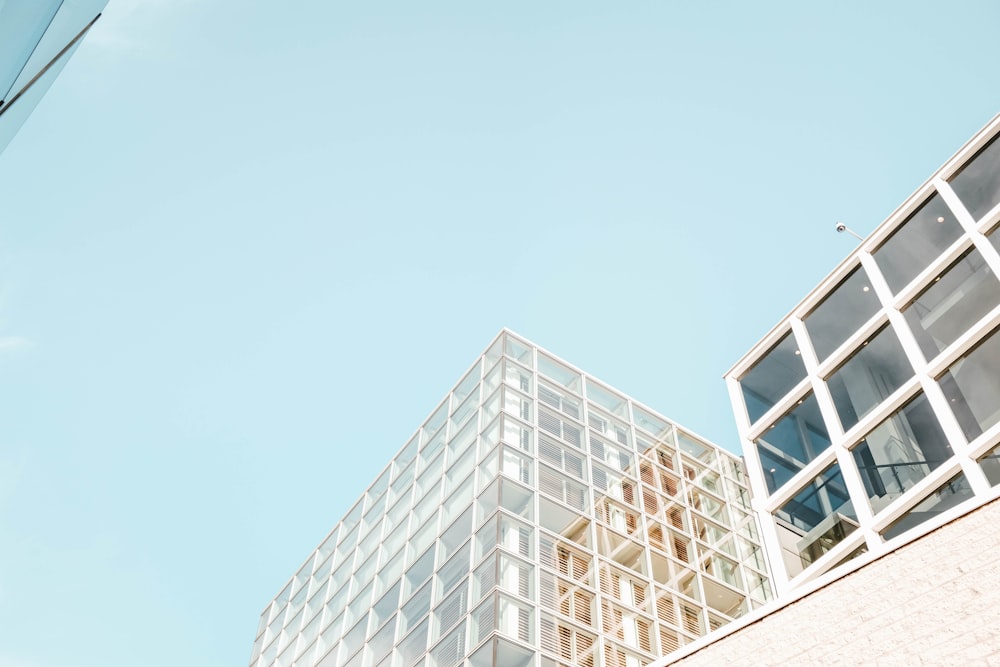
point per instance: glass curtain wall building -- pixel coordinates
(537, 518)
(37, 38)
(874, 407)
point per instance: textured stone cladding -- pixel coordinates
(935, 601)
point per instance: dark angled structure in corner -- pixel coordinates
(871, 413)
(37, 38)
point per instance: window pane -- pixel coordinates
(977, 184)
(956, 300)
(972, 386)
(877, 369)
(792, 442)
(841, 313)
(22, 25)
(917, 242)
(815, 520)
(954, 491)
(772, 377)
(900, 452)
(991, 465)
(994, 237)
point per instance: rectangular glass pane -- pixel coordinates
(877, 369)
(956, 300)
(558, 372)
(792, 442)
(841, 313)
(972, 385)
(977, 184)
(900, 452)
(815, 520)
(772, 377)
(917, 242)
(991, 465)
(951, 493)
(617, 405)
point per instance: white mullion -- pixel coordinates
(849, 470)
(989, 221)
(984, 442)
(960, 446)
(856, 493)
(897, 218)
(947, 357)
(825, 288)
(800, 480)
(836, 553)
(986, 248)
(916, 494)
(956, 205)
(846, 349)
(924, 279)
(779, 409)
(769, 541)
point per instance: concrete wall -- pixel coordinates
(935, 601)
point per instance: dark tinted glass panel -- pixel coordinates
(991, 465)
(815, 520)
(792, 442)
(21, 27)
(972, 386)
(877, 369)
(772, 377)
(900, 452)
(15, 112)
(954, 491)
(917, 242)
(956, 300)
(841, 313)
(977, 184)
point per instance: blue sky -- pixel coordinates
(247, 247)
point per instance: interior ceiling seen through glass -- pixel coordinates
(771, 378)
(977, 184)
(917, 242)
(841, 313)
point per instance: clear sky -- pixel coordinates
(246, 247)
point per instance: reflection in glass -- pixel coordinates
(900, 452)
(815, 520)
(956, 300)
(990, 463)
(772, 377)
(16, 111)
(951, 493)
(21, 27)
(792, 442)
(877, 369)
(841, 313)
(917, 243)
(972, 386)
(977, 184)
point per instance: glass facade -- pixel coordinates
(37, 37)
(537, 518)
(791, 442)
(848, 305)
(900, 422)
(775, 374)
(977, 183)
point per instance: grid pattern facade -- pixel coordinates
(537, 518)
(874, 407)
